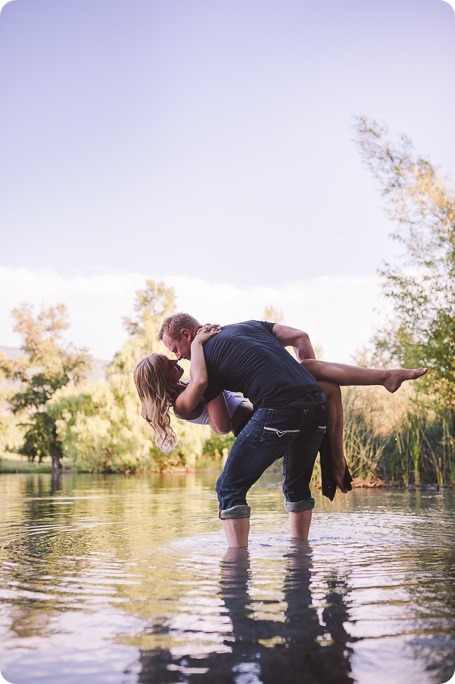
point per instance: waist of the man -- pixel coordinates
(304, 396)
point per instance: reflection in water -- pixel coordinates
(120, 580)
(291, 645)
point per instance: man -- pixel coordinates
(289, 419)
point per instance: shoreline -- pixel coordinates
(20, 466)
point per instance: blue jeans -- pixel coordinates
(294, 432)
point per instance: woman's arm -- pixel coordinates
(230, 413)
(188, 400)
(219, 418)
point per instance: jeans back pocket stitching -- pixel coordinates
(281, 433)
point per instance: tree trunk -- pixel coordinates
(56, 452)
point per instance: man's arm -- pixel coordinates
(291, 337)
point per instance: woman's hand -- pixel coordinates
(207, 331)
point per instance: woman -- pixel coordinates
(158, 382)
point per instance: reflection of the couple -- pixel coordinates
(300, 648)
(298, 645)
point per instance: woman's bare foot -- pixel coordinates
(394, 378)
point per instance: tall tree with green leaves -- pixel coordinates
(101, 426)
(151, 305)
(421, 286)
(11, 434)
(47, 363)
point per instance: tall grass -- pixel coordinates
(397, 439)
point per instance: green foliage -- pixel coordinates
(44, 347)
(47, 364)
(421, 287)
(37, 390)
(399, 438)
(216, 446)
(421, 449)
(41, 439)
(151, 306)
(389, 438)
(97, 433)
(363, 443)
(11, 432)
(100, 427)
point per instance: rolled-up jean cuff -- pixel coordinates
(240, 511)
(296, 506)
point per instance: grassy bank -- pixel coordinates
(15, 463)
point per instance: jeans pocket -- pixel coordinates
(277, 431)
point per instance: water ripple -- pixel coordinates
(136, 585)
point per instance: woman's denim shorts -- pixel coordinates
(295, 432)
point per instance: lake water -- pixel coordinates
(117, 579)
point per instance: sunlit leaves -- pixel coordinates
(47, 364)
(421, 287)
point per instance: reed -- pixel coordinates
(403, 442)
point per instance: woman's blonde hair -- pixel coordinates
(157, 395)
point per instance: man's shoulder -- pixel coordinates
(245, 326)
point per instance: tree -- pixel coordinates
(11, 433)
(105, 431)
(99, 423)
(273, 314)
(47, 364)
(152, 304)
(100, 432)
(421, 286)
(101, 427)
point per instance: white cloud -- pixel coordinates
(337, 312)
(3, 3)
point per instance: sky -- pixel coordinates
(209, 144)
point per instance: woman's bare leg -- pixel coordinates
(344, 374)
(335, 427)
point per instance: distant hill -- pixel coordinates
(98, 365)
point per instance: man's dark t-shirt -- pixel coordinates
(247, 357)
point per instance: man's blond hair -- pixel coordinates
(172, 325)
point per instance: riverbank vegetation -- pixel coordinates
(52, 411)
